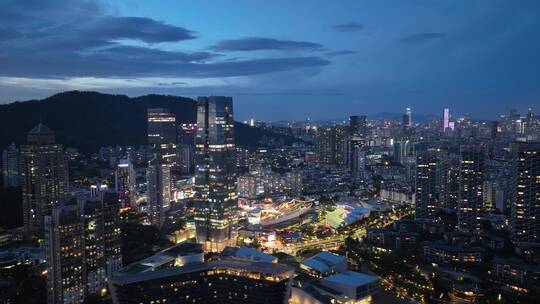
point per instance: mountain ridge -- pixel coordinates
(87, 120)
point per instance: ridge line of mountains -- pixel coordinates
(90, 120)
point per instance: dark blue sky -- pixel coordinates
(281, 59)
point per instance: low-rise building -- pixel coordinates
(448, 254)
(324, 263)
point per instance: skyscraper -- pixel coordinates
(10, 166)
(82, 246)
(158, 176)
(525, 212)
(186, 147)
(357, 125)
(446, 119)
(102, 254)
(215, 166)
(449, 181)
(331, 146)
(407, 118)
(44, 177)
(471, 180)
(124, 177)
(65, 251)
(426, 186)
(355, 147)
(162, 135)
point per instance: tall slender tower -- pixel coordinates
(215, 164)
(158, 176)
(525, 214)
(407, 118)
(44, 177)
(426, 186)
(471, 181)
(10, 166)
(446, 119)
(124, 178)
(65, 251)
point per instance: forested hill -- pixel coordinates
(89, 120)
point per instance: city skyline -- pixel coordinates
(322, 61)
(250, 152)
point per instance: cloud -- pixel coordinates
(258, 43)
(422, 37)
(8, 33)
(138, 28)
(61, 39)
(348, 27)
(340, 53)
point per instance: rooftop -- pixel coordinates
(323, 261)
(351, 278)
(258, 267)
(248, 254)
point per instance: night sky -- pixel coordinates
(281, 59)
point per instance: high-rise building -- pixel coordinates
(124, 177)
(65, 252)
(162, 133)
(471, 181)
(186, 147)
(355, 144)
(326, 143)
(82, 246)
(340, 148)
(10, 166)
(223, 281)
(44, 177)
(525, 212)
(407, 118)
(358, 125)
(446, 119)
(449, 181)
(331, 146)
(215, 166)
(426, 186)
(158, 176)
(102, 239)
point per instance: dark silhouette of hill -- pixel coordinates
(89, 120)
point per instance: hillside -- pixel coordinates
(89, 120)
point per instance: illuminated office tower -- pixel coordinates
(124, 177)
(471, 181)
(158, 176)
(10, 166)
(44, 177)
(186, 147)
(407, 123)
(525, 212)
(446, 119)
(426, 186)
(407, 118)
(215, 165)
(65, 252)
(162, 134)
